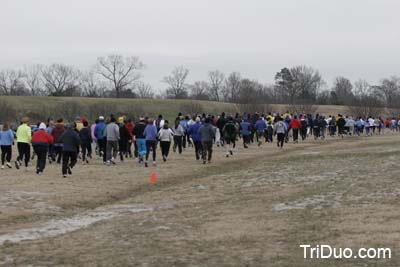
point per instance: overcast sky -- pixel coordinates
(353, 38)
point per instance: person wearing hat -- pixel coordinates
(24, 137)
(41, 140)
(71, 141)
(101, 140)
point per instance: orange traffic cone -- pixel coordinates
(153, 177)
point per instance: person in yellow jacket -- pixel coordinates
(78, 123)
(24, 137)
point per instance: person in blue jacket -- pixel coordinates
(151, 135)
(245, 132)
(6, 142)
(101, 140)
(260, 127)
(193, 131)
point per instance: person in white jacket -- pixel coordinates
(165, 136)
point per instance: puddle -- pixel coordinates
(62, 226)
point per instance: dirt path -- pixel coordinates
(251, 210)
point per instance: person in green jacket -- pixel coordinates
(24, 137)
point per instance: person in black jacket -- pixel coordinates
(86, 142)
(71, 141)
(220, 124)
(138, 132)
(124, 138)
(341, 122)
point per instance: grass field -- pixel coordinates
(253, 209)
(68, 107)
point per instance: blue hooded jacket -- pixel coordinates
(260, 125)
(99, 130)
(194, 132)
(245, 128)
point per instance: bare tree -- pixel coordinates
(199, 90)
(176, 83)
(365, 102)
(33, 80)
(11, 82)
(231, 87)
(60, 80)
(216, 79)
(120, 71)
(389, 90)
(145, 90)
(361, 88)
(308, 80)
(90, 85)
(299, 83)
(341, 93)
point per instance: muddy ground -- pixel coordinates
(253, 209)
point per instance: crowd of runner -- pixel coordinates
(113, 138)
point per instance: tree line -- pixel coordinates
(120, 77)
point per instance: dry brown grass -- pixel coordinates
(339, 192)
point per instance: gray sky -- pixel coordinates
(353, 38)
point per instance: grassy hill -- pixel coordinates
(39, 108)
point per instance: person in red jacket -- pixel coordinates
(58, 130)
(130, 125)
(40, 142)
(295, 125)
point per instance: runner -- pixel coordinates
(165, 136)
(295, 125)
(207, 134)
(86, 142)
(112, 135)
(179, 135)
(70, 140)
(150, 133)
(101, 139)
(24, 137)
(196, 137)
(229, 133)
(260, 127)
(280, 130)
(41, 140)
(245, 131)
(138, 132)
(124, 139)
(220, 125)
(6, 143)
